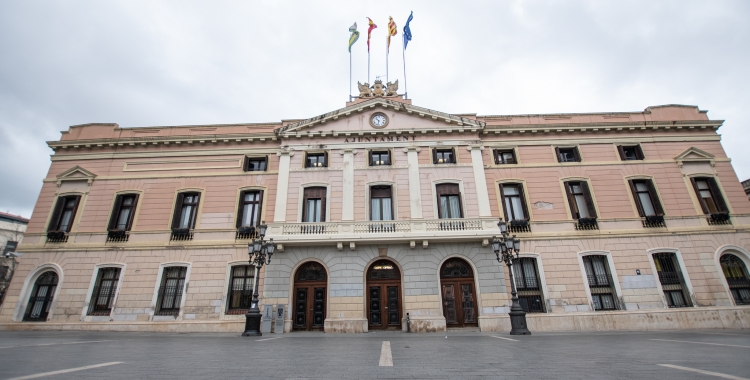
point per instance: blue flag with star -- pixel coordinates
(407, 30)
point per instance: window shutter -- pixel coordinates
(577, 154)
(639, 152)
(177, 210)
(716, 193)
(622, 152)
(267, 164)
(325, 159)
(654, 198)
(305, 195)
(53, 222)
(369, 155)
(323, 202)
(240, 208)
(132, 211)
(434, 156)
(194, 215)
(260, 208)
(454, 159)
(571, 202)
(557, 152)
(502, 200)
(73, 214)
(115, 213)
(246, 164)
(698, 194)
(636, 198)
(523, 202)
(460, 205)
(439, 206)
(589, 199)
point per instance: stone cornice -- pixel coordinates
(142, 141)
(672, 126)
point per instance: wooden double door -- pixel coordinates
(458, 293)
(310, 293)
(384, 296)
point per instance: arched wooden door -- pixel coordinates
(737, 277)
(459, 295)
(384, 296)
(41, 297)
(310, 291)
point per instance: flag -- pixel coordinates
(407, 30)
(354, 37)
(391, 31)
(369, 30)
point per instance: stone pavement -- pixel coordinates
(462, 355)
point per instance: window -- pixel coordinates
(381, 205)
(64, 214)
(103, 296)
(709, 195)
(240, 289)
(314, 205)
(380, 158)
(630, 152)
(256, 164)
(737, 277)
(41, 297)
(514, 204)
(600, 282)
(672, 282)
(316, 160)
(449, 201)
(170, 291)
(123, 212)
(568, 154)
(185, 211)
(443, 156)
(528, 285)
(645, 197)
(579, 199)
(248, 211)
(505, 156)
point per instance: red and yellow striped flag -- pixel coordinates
(369, 30)
(392, 30)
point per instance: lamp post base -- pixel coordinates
(518, 323)
(252, 323)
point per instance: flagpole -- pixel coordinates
(403, 54)
(368, 65)
(350, 75)
(386, 63)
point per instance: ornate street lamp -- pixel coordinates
(260, 252)
(504, 248)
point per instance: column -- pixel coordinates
(282, 185)
(480, 181)
(347, 197)
(415, 189)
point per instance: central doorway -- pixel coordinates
(384, 296)
(310, 289)
(458, 291)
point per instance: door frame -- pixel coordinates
(293, 293)
(310, 286)
(399, 282)
(477, 292)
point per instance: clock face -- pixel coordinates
(379, 120)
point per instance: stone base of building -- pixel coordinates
(425, 324)
(345, 325)
(178, 327)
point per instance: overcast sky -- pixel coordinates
(151, 63)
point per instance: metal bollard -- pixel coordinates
(408, 324)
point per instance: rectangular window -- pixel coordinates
(123, 212)
(514, 204)
(579, 199)
(103, 296)
(449, 201)
(170, 291)
(380, 158)
(248, 211)
(443, 156)
(630, 152)
(64, 214)
(600, 282)
(316, 160)
(568, 154)
(672, 282)
(256, 164)
(645, 197)
(709, 195)
(185, 211)
(381, 205)
(314, 205)
(528, 285)
(240, 289)
(505, 156)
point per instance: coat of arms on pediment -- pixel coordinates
(378, 89)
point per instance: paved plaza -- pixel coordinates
(388, 355)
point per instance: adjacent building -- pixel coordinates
(628, 220)
(12, 228)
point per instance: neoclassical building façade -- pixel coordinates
(628, 220)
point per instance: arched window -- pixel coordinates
(41, 297)
(455, 268)
(311, 272)
(737, 277)
(383, 270)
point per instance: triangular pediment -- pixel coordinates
(400, 117)
(76, 173)
(694, 154)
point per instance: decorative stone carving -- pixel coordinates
(391, 88)
(364, 90)
(378, 89)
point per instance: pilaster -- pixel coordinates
(347, 198)
(415, 189)
(282, 184)
(483, 198)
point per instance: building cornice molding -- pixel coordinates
(600, 127)
(142, 141)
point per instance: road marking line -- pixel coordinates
(55, 344)
(260, 340)
(386, 360)
(711, 344)
(64, 371)
(709, 373)
(501, 337)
